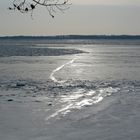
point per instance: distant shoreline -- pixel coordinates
(76, 37)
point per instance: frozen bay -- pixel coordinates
(69, 90)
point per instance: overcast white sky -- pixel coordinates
(107, 2)
(84, 17)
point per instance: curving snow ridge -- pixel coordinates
(52, 77)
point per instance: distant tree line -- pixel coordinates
(98, 37)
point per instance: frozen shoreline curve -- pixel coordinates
(52, 77)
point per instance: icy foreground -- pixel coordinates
(92, 95)
(102, 113)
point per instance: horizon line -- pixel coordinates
(74, 36)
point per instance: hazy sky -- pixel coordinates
(84, 17)
(107, 2)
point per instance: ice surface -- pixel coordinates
(72, 95)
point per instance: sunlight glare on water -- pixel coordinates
(80, 99)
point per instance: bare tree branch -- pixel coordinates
(25, 6)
